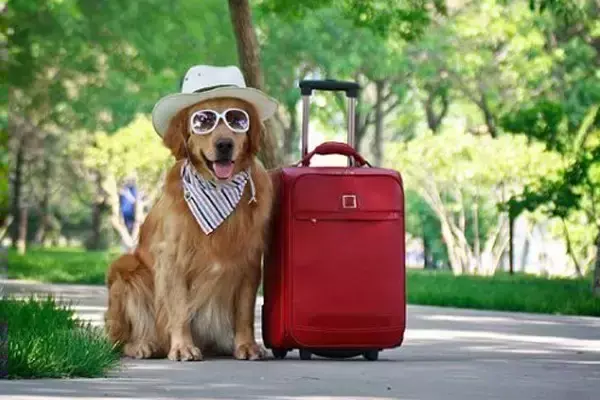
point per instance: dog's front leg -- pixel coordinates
(174, 307)
(246, 347)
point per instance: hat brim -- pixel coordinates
(167, 107)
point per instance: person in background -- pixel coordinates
(127, 202)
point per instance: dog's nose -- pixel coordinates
(224, 148)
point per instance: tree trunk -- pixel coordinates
(570, 250)
(434, 120)
(248, 56)
(22, 239)
(525, 254)
(247, 43)
(490, 121)
(40, 235)
(290, 134)
(17, 188)
(361, 120)
(376, 146)
(111, 190)
(140, 215)
(360, 131)
(6, 225)
(97, 207)
(596, 286)
(456, 262)
(427, 264)
(477, 242)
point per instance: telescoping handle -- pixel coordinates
(351, 89)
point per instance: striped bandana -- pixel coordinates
(211, 203)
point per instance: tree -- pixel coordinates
(248, 55)
(118, 157)
(464, 192)
(401, 19)
(565, 119)
(325, 44)
(577, 186)
(422, 222)
(494, 56)
(77, 66)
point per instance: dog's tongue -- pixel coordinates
(223, 170)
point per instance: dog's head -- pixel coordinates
(220, 136)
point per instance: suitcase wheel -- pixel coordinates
(371, 355)
(305, 354)
(279, 353)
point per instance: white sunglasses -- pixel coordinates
(203, 122)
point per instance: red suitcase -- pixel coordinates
(334, 275)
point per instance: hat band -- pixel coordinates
(211, 88)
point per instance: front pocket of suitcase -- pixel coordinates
(348, 278)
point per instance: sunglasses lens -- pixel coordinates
(203, 121)
(237, 120)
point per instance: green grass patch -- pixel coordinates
(45, 340)
(60, 266)
(503, 292)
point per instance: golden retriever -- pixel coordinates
(182, 293)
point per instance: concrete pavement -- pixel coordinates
(447, 354)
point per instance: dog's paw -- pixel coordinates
(139, 350)
(249, 351)
(185, 352)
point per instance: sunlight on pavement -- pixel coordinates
(486, 320)
(452, 335)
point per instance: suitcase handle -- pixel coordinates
(351, 89)
(335, 148)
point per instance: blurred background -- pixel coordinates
(488, 108)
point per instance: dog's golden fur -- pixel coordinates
(182, 293)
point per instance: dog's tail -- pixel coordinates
(130, 286)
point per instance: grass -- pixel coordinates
(60, 266)
(45, 340)
(501, 292)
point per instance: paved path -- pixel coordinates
(448, 354)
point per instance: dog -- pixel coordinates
(189, 288)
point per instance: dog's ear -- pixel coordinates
(177, 134)
(255, 132)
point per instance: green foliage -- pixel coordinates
(568, 10)
(579, 180)
(422, 222)
(134, 149)
(542, 122)
(502, 292)
(403, 19)
(46, 341)
(477, 165)
(112, 61)
(464, 178)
